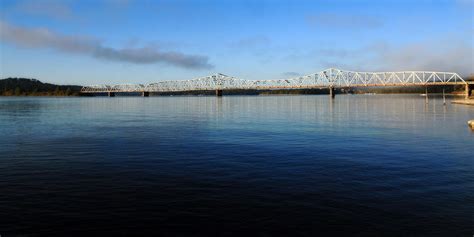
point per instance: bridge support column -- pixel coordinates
(219, 93)
(145, 93)
(468, 91)
(111, 94)
(332, 93)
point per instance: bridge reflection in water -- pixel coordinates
(330, 78)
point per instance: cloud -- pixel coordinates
(44, 38)
(338, 53)
(450, 55)
(291, 74)
(251, 42)
(61, 9)
(49, 8)
(343, 66)
(148, 55)
(344, 21)
(444, 53)
(259, 47)
(465, 3)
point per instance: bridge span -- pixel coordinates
(330, 78)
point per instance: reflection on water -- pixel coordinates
(266, 165)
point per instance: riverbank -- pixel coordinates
(33, 87)
(463, 102)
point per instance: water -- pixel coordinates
(259, 165)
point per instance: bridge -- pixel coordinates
(330, 78)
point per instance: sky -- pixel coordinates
(86, 42)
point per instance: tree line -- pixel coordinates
(33, 87)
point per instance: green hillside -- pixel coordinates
(33, 87)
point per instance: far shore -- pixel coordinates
(464, 102)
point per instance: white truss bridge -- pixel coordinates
(329, 78)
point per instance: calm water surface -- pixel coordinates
(237, 165)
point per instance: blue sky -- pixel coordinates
(137, 41)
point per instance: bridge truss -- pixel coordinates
(329, 78)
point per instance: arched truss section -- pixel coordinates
(328, 78)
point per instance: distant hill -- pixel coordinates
(33, 87)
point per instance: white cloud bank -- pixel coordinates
(44, 38)
(451, 55)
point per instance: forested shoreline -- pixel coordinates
(33, 87)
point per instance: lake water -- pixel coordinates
(237, 165)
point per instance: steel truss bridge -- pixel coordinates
(330, 78)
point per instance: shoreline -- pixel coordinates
(463, 102)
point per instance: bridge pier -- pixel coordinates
(111, 94)
(145, 93)
(468, 90)
(332, 92)
(218, 93)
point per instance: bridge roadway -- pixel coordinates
(330, 78)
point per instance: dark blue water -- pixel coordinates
(240, 165)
